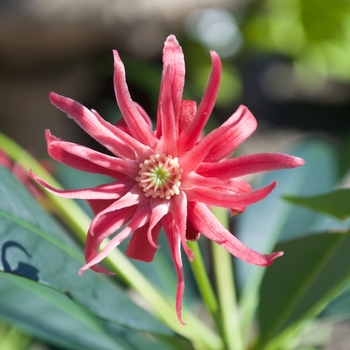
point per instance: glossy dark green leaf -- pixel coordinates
(51, 316)
(11, 338)
(313, 271)
(34, 246)
(273, 219)
(339, 307)
(336, 203)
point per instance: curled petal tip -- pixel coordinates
(116, 55)
(54, 97)
(214, 55)
(179, 315)
(271, 257)
(96, 269)
(299, 161)
(171, 39)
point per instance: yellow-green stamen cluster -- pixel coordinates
(160, 176)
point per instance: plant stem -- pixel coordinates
(224, 277)
(203, 283)
(201, 336)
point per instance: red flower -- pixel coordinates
(167, 177)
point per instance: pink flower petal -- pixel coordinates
(114, 139)
(234, 186)
(131, 198)
(143, 114)
(232, 138)
(108, 191)
(226, 199)
(5, 161)
(192, 180)
(179, 214)
(116, 219)
(187, 112)
(192, 233)
(239, 126)
(139, 219)
(174, 76)
(190, 136)
(169, 125)
(86, 159)
(159, 207)
(98, 205)
(208, 225)
(174, 241)
(139, 247)
(249, 164)
(139, 128)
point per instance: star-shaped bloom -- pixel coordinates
(167, 177)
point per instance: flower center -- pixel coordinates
(160, 176)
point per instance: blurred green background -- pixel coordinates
(288, 61)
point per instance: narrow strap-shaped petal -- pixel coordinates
(98, 205)
(239, 123)
(109, 191)
(168, 139)
(226, 199)
(118, 142)
(131, 198)
(138, 126)
(249, 164)
(238, 186)
(139, 247)
(85, 159)
(174, 76)
(174, 241)
(187, 112)
(121, 124)
(235, 186)
(139, 219)
(116, 219)
(143, 114)
(190, 135)
(192, 179)
(159, 207)
(179, 213)
(232, 138)
(207, 224)
(192, 233)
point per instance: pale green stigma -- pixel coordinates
(160, 176)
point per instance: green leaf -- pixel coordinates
(312, 272)
(34, 246)
(12, 339)
(273, 219)
(336, 203)
(51, 316)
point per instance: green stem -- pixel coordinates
(202, 337)
(203, 283)
(225, 284)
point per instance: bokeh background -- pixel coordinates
(288, 61)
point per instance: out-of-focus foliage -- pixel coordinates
(12, 339)
(315, 33)
(336, 203)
